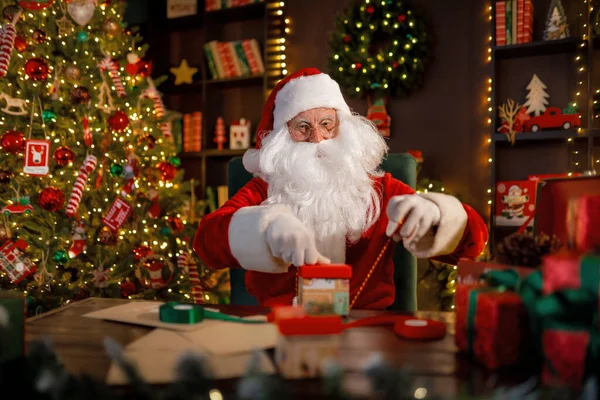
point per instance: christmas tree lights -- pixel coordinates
(81, 77)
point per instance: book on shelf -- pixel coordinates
(222, 195)
(234, 59)
(192, 132)
(514, 22)
(212, 5)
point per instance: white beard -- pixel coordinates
(329, 185)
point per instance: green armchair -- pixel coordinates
(401, 166)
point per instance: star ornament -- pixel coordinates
(184, 73)
(65, 26)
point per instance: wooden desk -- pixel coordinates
(78, 342)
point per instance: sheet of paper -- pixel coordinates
(163, 339)
(159, 366)
(146, 313)
(228, 338)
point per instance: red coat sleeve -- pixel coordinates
(211, 242)
(474, 236)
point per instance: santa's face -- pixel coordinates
(321, 165)
(314, 125)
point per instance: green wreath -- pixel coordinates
(379, 47)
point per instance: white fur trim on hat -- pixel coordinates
(251, 160)
(305, 93)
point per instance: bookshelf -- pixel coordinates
(567, 67)
(172, 40)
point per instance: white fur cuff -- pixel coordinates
(251, 160)
(247, 241)
(453, 223)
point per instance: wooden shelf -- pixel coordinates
(541, 135)
(539, 48)
(234, 14)
(237, 81)
(196, 87)
(213, 153)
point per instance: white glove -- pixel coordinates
(290, 240)
(417, 216)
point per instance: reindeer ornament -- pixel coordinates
(37, 155)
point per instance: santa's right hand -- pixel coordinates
(290, 240)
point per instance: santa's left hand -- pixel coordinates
(414, 215)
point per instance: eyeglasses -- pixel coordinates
(302, 130)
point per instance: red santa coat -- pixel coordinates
(461, 233)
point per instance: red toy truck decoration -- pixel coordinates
(551, 119)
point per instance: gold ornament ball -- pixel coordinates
(73, 73)
(111, 28)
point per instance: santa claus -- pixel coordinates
(318, 197)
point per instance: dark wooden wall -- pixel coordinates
(445, 119)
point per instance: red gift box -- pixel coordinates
(565, 339)
(583, 223)
(553, 199)
(496, 332)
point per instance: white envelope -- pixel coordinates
(146, 313)
(156, 354)
(159, 366)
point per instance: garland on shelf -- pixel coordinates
(380, 48)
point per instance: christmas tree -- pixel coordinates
(556, 22)
(94, 202)
(537, 97)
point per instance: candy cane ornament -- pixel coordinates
(153, 94)
(88, 166)
(108, 64)
(165, 128)
(7, 43)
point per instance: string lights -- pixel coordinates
(488, 105)
(278, 31)
(67, 130)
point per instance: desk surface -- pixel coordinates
(78, 341)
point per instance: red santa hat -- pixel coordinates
(303, 90)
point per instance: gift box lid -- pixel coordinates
(332, 271)
(294, 321)
(553, 197)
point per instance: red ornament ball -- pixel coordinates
(37, 69)
(401, 18)
(39, 36)
(20, 43)
(175, 223)
(63, 156)
(395, 64)
(357, 65)
(347, 38)
(80, 95)
(131, 68)
(51, 199)
(13, 142)
(35, 4)
(144, 67)
(370, 9)
(128, 288)
(141, 252)
(167, 171)
(118, 121)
